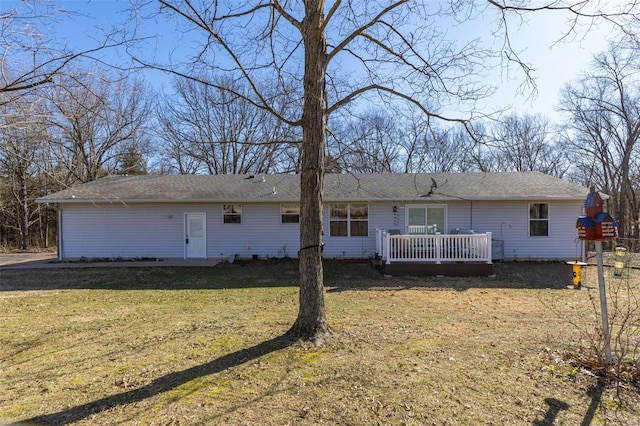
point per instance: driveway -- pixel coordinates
(25, 259)
(50, 260)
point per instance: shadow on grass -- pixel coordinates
(596, 397)
(162, 384)
(555, 407)
(259, 274)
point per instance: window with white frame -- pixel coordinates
(426, 218)
(232, 213)
(538, 219)
(290, 213)
(349, 220)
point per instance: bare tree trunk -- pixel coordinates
(24, 211)
(635, 215)
(626, 185)
(311, 323)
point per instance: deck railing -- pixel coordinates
(436, 248)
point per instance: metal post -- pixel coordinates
(603, 306)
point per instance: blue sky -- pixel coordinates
(555, 65)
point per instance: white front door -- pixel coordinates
(195, 236)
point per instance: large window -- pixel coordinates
(232, 213)
(349, 220)
(290, 213)
(426, 219)
(538, 219)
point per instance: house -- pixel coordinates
(524, 216)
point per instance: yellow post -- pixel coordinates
(577, 274)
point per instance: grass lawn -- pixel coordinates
(162, 346)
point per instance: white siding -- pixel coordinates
(114, 230)
(561, 243)
(261, 233)
(157, 230)
(459, 216)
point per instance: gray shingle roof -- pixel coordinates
(338, 187)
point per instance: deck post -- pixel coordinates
(438, 248)
(386, 247)
(489, 249)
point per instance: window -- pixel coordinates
(290, 213)
(232, 213)
(359, 214)
(349, 220)
(338, 224)
(539, 220)
(425, 219)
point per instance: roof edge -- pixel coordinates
(424, 200)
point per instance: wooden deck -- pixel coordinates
(459, 255)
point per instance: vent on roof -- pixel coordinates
(250, 177)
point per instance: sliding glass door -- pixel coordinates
(426, 219)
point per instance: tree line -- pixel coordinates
(89, 125)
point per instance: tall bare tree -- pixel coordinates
(23, 135)
(369, 143)
(525, 143)
(604, 129)
(279, 37)
(96, 123)
(393, 50)
(211, 130)
(429, 148)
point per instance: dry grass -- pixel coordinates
(198, 346)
